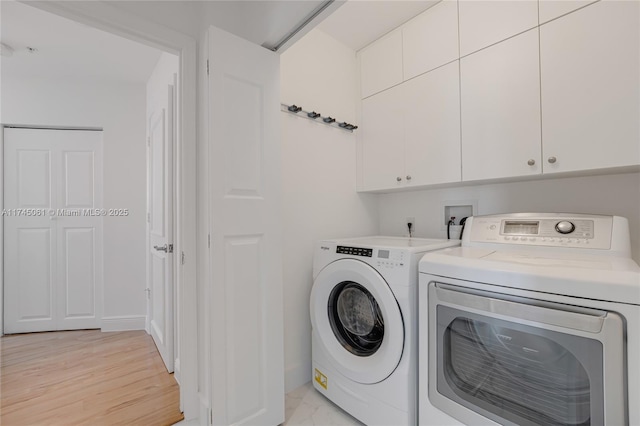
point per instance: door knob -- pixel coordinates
(164, 248)
(531, 162)
(398, 178)
(408, 177)
(552, 160)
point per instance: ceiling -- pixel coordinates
(355, 23)
(67, 49)
(359, 22)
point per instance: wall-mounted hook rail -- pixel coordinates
(318, 118)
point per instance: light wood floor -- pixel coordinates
(85, 377)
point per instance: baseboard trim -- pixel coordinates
(124, 323)
(176, 375)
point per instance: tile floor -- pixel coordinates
(305, 407)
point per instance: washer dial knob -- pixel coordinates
(565, 227)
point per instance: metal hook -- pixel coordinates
(329, 120)
(313, 115)
(294, 108)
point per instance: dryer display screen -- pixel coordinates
(355, 251)
(521, 228)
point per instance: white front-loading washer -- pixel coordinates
(534, 320)
(364, 325)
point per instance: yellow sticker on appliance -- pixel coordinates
(321, 379)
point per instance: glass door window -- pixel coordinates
(515, 372)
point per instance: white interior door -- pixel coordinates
(246, 263)
(161, 256)
(53, 229)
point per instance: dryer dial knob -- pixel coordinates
(565, 227)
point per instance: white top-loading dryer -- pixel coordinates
(535, 319)
(364, 325)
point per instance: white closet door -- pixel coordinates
(53, 235)
(79, 238)
(246, 261)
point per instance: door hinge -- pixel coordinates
(182, 258)
(148, 291)
(208, 240)
(207, 67)
(148, 217)
(170, 248)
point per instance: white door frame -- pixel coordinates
(2, 231)
(101, 15)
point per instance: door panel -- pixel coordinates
(78, 180)
(158, 320)
(157, 180)
(161, 227)
(52, 252)
(243, 151)
(34, 179)
(34, 274)
(247, 374)
(246, 304)
(79, 269)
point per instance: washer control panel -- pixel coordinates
(580, 231)
(383, 258)
(389, 258)
(355, 251)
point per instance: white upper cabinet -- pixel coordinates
(382, 139)
(430, 40)
(552, 9)
(432, 127)
(500, 94)
(591, 87)
(381, 64)
(411, 132)
(483, 23)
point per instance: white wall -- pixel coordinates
(319, 179)
(119, 108)
(609, 194)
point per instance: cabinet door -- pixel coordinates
(432, 127)
(381, 64)
(483, 23)
(501, 110)
(382, 139)
(591, 87)
(430, 39)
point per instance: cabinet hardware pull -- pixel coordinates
(531, 162)
(408, 177)
(398, 178)
(552, 160)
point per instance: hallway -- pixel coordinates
(85, 377)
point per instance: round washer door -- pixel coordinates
(357, 320)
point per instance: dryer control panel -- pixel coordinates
(555, 230)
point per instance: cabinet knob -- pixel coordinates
(531, 162)
(398, 178)
(552, 160)
(408, 177)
